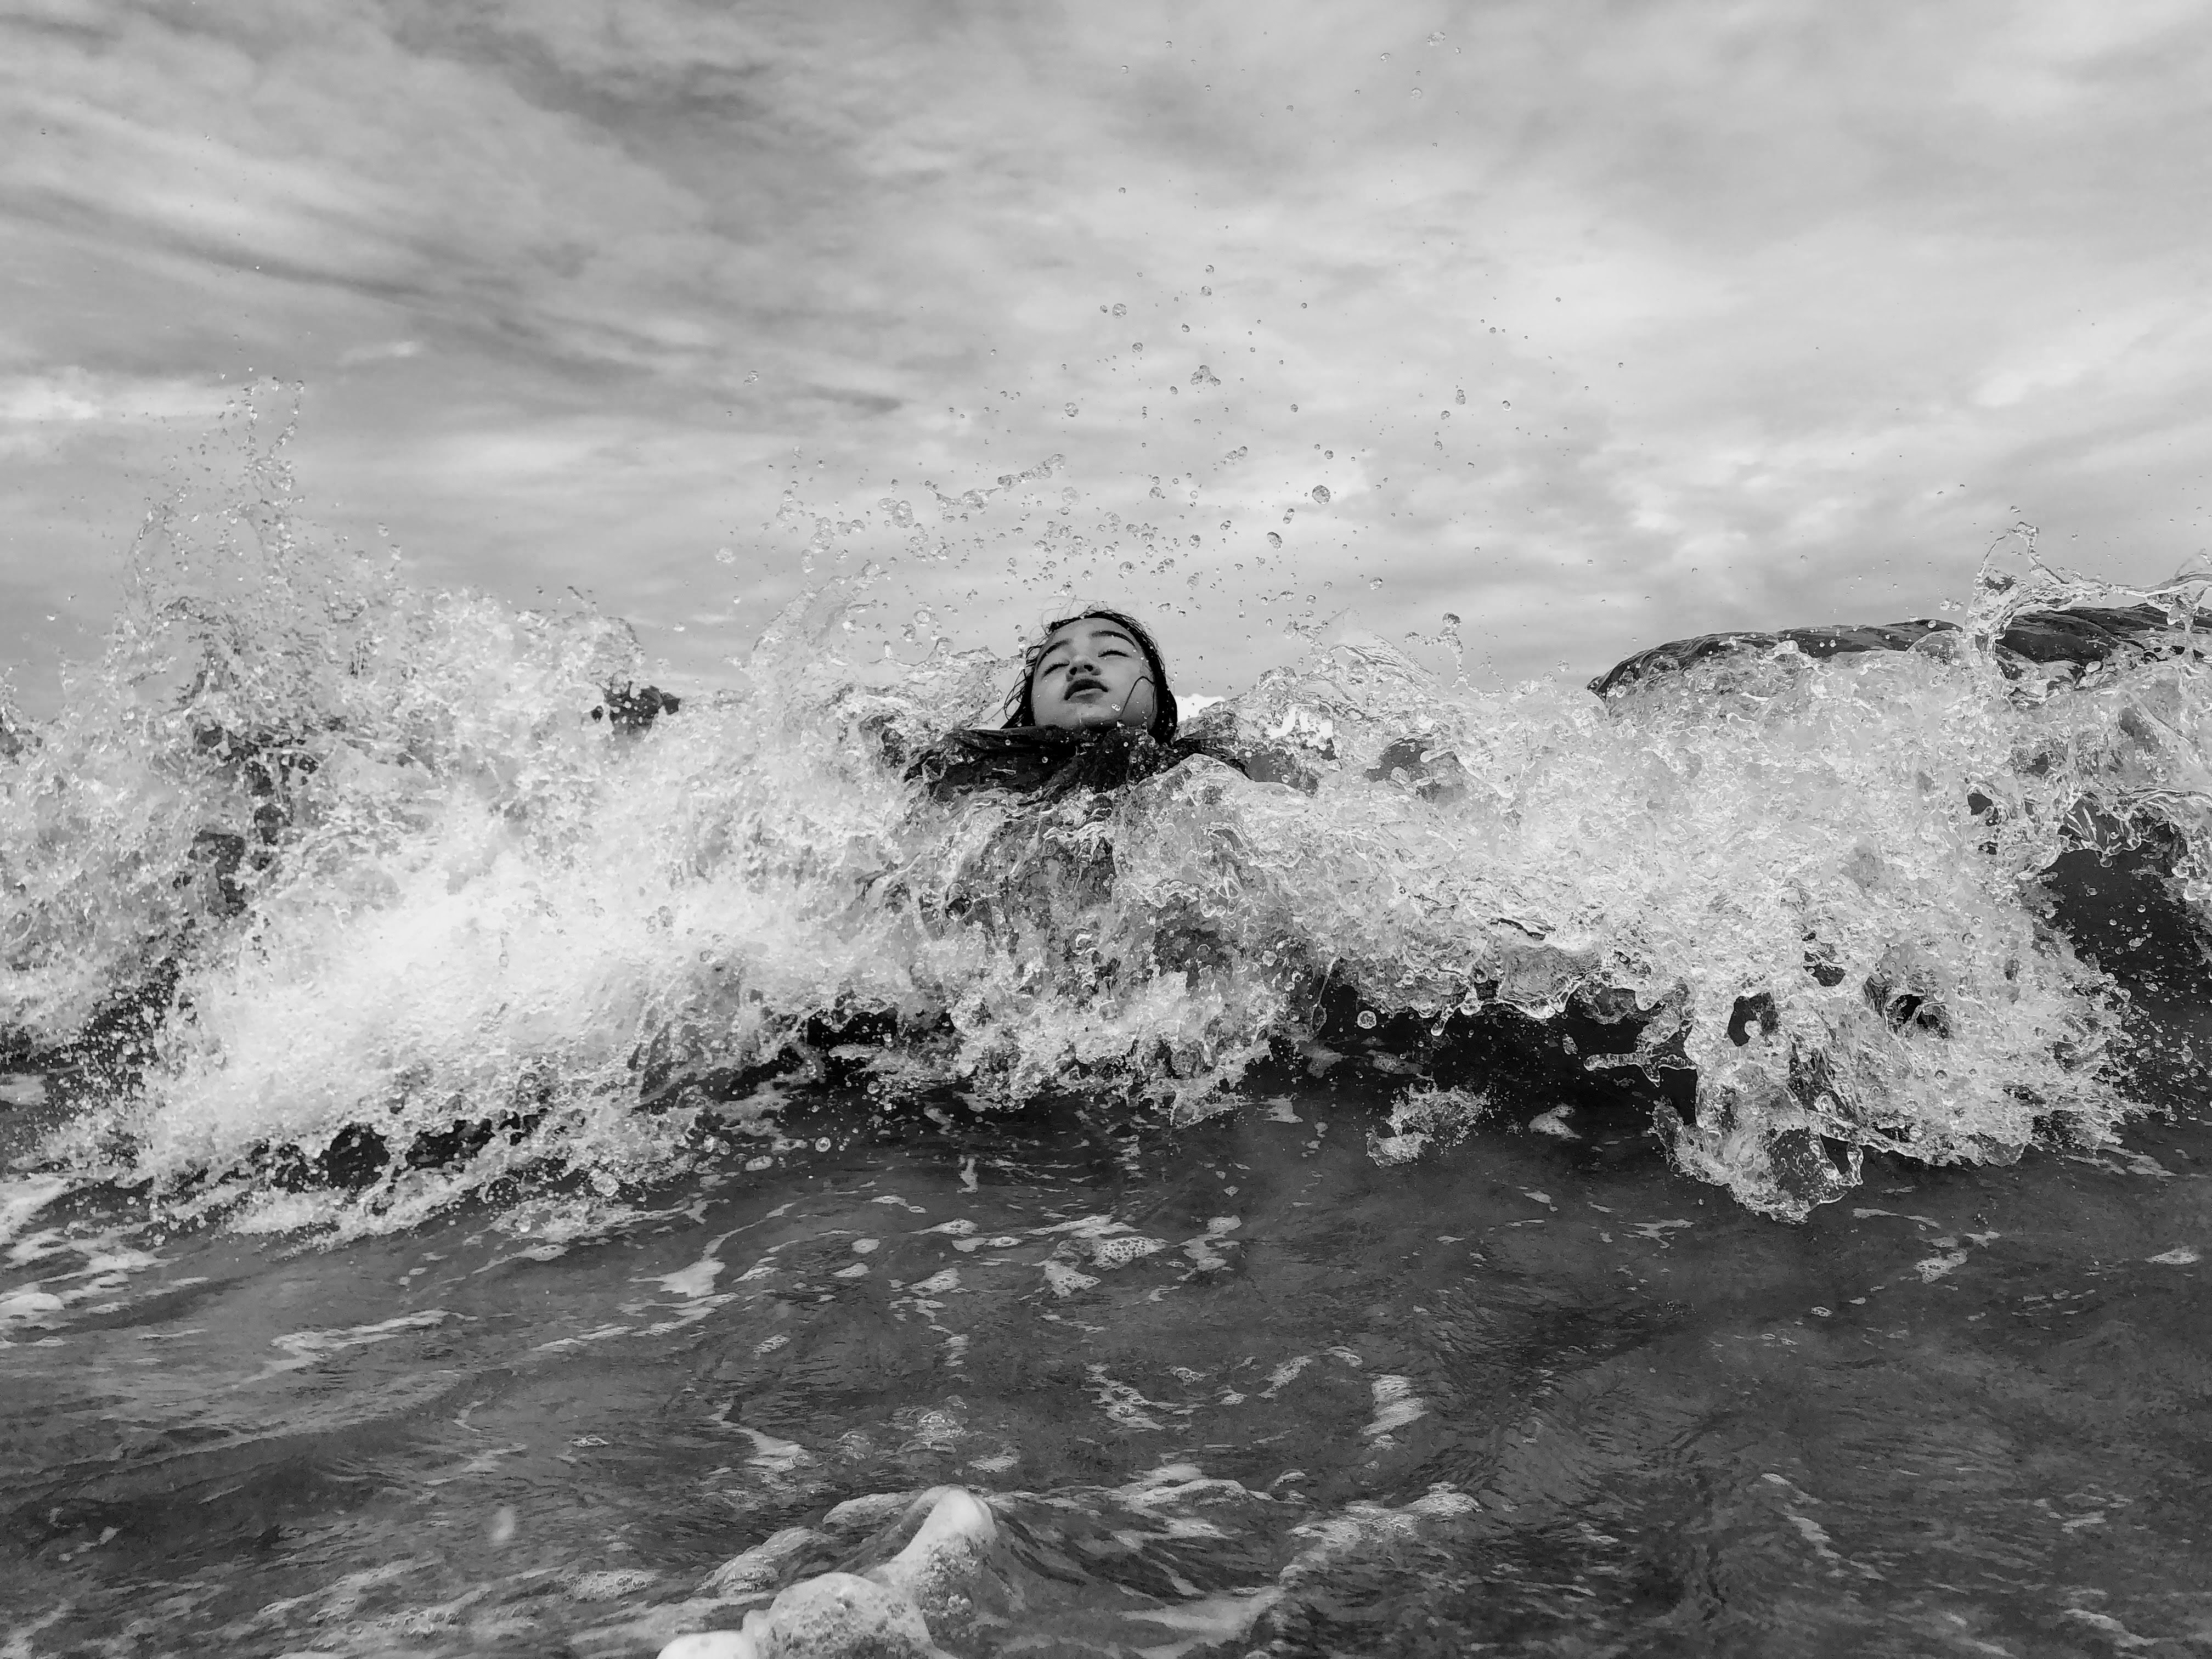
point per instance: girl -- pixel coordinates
(1092, 710)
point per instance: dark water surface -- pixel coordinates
(1229, 1388)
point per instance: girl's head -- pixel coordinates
(1097, 669)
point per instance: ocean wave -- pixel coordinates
(322, 881)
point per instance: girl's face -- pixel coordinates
(1092, 673)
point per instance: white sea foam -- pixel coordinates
(451, 896)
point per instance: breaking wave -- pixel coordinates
(329, 898)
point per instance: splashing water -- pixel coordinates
(341, 864)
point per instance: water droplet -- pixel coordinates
(1375, 581)
(1505, 404)
(1366, 1021)
(1136, 345)
(1294, 409)
(1320, 494)
(751, 374)
(1070, 411)
(1415, 93)
(1121, 311)
(1206, 291)
(1186, 328)
(726, 556)
(1274, 540)
(1328, 454)
(1460, 397)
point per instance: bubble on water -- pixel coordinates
(1320, 494)
(1366, 1021)
(1274, 540)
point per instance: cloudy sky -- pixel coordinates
(1599, 323)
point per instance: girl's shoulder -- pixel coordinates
(1215, 734)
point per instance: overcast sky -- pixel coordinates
(1761, 313)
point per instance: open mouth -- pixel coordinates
(1077, 688)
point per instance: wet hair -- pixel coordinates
(1020, 711)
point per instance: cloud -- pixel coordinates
(1743, 301)
(45, 415)
(387, 351)
(76, 395)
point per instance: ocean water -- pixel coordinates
(1713, 1169)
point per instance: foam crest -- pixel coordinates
(390, 869)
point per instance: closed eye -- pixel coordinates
(1061, 666)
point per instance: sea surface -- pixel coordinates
(491, 1163)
